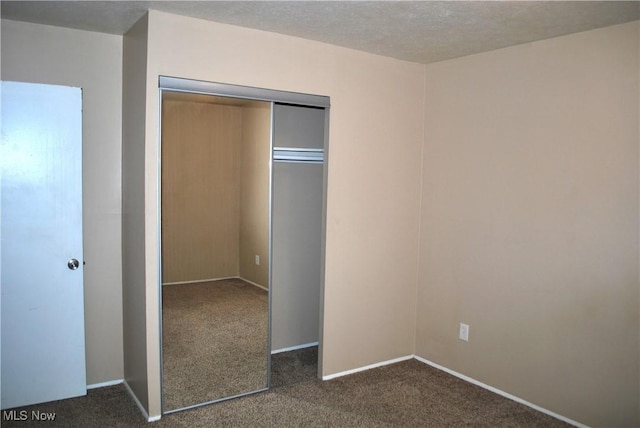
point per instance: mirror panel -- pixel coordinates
(215, 247)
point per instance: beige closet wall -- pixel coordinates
(254, 192)
(200, 191)
(530, 222)
(141, 361)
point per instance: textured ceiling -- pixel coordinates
(419, 31)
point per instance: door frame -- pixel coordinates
(177, 84)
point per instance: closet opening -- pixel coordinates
(242, 225)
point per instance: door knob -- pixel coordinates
(73, 264)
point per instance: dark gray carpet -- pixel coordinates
(406, 394)
(214, 341)
(288, 368)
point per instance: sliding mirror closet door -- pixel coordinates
(297, 219)
(215, 247)
(242, 236)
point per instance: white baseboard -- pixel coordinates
(254, 283)
(105, 384)
(294, 348)
(500, 392)
(195, 281)
(371, 366)
(139, 404)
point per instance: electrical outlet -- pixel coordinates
(257, 260)
(464, 332)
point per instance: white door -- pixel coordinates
(42, 342)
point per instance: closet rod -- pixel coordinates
(298, 161)
(298, 155)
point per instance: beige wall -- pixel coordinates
(92, 61)
(141, 367)
(254, 192)
(529, 222)
(376, 137)
(200, 191)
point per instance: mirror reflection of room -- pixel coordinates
(215, 247)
